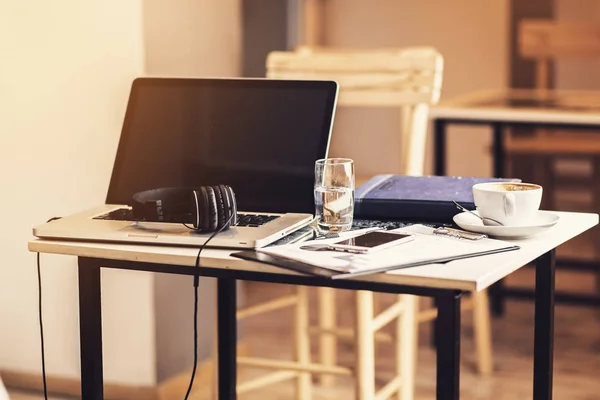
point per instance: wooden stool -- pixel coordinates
(409, 79)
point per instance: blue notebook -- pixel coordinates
(416, 198)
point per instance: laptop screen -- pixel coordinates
(260, 136)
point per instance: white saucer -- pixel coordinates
(542, 221)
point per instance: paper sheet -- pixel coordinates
(424, 248)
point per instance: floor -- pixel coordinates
(577, 350)
(576, 365)
(18, 395)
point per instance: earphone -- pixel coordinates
(206, 208)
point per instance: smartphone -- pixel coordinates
(372, 241)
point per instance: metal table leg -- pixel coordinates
(496, 293)
(448, 346)
(439, 162)
(439, 169)
(90, 330)
(227, 337)
(498, 147)
(544, 326)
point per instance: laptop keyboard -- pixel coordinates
(253, 220)
(248, 220)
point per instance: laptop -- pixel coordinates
(259, 136)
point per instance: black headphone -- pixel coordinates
(207, 208)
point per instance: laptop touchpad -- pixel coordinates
(155, 227)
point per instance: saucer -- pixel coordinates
(542, 221)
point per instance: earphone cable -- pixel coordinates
(196, 282)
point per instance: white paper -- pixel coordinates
(425, 247)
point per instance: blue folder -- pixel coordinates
(416, 198)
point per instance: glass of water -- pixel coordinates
(334, 194)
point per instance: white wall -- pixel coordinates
(65, 74)
(473, 38)
(65, 71)
(192, 37)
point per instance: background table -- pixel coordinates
(512, 107)
(445, 282)
(501, 109)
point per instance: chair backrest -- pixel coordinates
(410, 78)
(544, 40)
(378, 77)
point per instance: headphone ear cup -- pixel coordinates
(203, 210)
(231, 205)
(221, 206)
(195, 202)
(211, 210)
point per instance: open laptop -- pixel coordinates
(260, 136)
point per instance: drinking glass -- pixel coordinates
(334, 194)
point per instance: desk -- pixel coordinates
(444, 282)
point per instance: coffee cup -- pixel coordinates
(510, 203)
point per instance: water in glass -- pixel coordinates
(334, 194)
(335, 208)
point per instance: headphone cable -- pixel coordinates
(196, 282)
(39, 274)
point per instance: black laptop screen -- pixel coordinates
(262, 137)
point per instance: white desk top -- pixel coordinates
(473, 274)
(520, 105)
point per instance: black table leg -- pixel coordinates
(439, 162)
(227, 337)
(497, 298)
(439, 169)
(496, 292)
(433, 332)
(498, 148)
(447, 326)
(544, 326)
(90, 330)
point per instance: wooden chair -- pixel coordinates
(544, 41)
(412, 78)
(3, 391)
(409, 79)
(547, 40)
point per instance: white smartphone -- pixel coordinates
(372, 241)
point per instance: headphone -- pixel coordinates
(206, 208)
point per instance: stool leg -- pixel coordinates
(327, 339)
(482, 332)
(302, 336)
(365, 346)
(595, 208)
(406, 346)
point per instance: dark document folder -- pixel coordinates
(310, 269)
(416, 198)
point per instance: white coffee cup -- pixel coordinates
(511, 204)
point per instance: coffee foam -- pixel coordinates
(511, 187)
